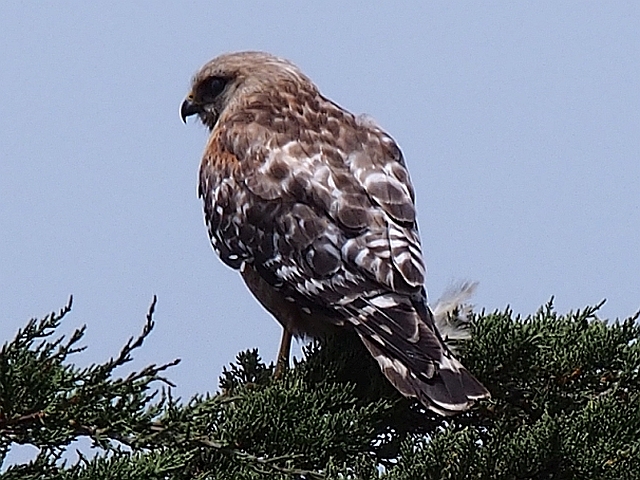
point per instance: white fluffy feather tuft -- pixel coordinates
(452, 312)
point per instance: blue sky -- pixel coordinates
(520, 123)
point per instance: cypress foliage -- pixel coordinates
(566, 405)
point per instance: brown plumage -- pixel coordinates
(314, 205)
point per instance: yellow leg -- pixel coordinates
(282, 363)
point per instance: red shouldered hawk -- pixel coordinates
(315, 207)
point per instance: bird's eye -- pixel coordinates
(213, 87)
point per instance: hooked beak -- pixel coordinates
(188, 108)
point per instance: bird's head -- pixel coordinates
(233, 80)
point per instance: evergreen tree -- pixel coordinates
(565, 405)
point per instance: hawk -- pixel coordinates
(315, 207)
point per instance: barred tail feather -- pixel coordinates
(401, 335)
(448, 392)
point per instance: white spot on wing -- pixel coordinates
(403, 257)
(392, 364)
(378, 243)
(387, 329)
(361, 256)
(383, 301)
(449, 363)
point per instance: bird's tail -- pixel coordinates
(401, 335)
